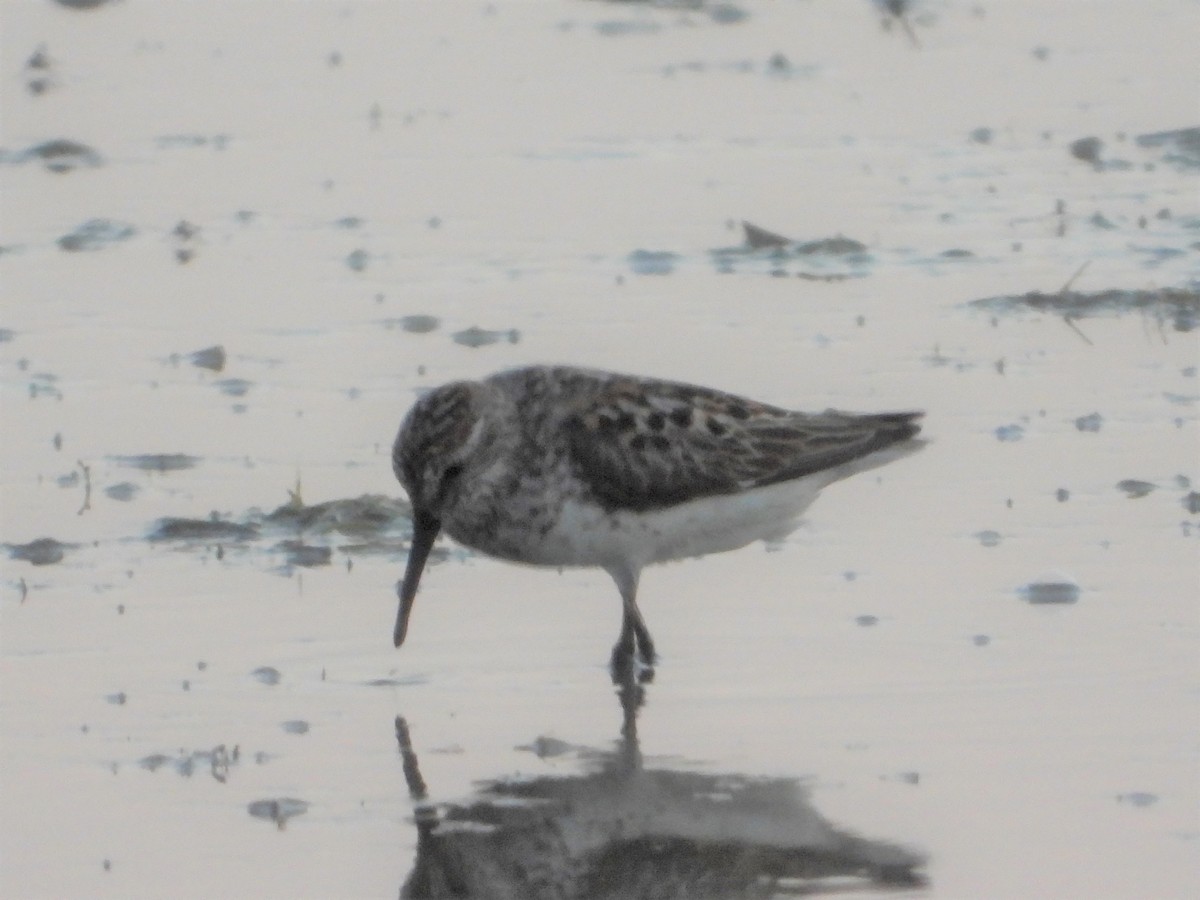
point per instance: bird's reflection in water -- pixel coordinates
(622, 831)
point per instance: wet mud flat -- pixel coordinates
(236, 247)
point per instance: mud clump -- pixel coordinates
(42, 552)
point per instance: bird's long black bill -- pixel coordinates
(425, 532)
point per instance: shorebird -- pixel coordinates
(561, 466)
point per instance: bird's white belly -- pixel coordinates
(586, 535)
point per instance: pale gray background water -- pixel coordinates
(342, 165)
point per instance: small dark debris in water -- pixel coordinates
(211, 358)
(779, 64)
(117, 699)
(1192, 503)
(39, 72)
(482, 337)
(268, 675)
(278, 810)
(357, 260)
(177, 141)
(1134, 488)
(1041, 53)
(216, 761)
(6, 335)
(434, 222)
(295, 726)
(158, 462)
(154, 761)
(42, 552)
(653, 262)
(989, 538)
(866, 620)
(305, 555)
(1087, 149)
(850, 575)
(41, 384)
(957, 253)
(1180, 399)
(82, 4)
(39, 59)
(1091, 422)
(1010, 433)
(406, 681)
(1099, 220)
(187, 237)
(107, 864)
(234, 387)
(96, 234)
(548, 747)
(179, 529)
(348, 222)
(418, 323)
(620, 29)
(1181, 147)
(982, 135)
(727, 14)
(1180, 305)
(1062, 495)
(1050, 592)
(62, 155)
(1140, 799)
(981, 640)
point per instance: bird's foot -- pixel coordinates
(631, 666)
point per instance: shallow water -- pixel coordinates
(234, 247)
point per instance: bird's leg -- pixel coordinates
(635, 636)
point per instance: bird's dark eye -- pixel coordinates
(452, 472)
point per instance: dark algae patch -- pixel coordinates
(208, 530)
(1179, 306)
(305, 536)
(370, 515)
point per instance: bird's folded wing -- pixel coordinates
(647, 445)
